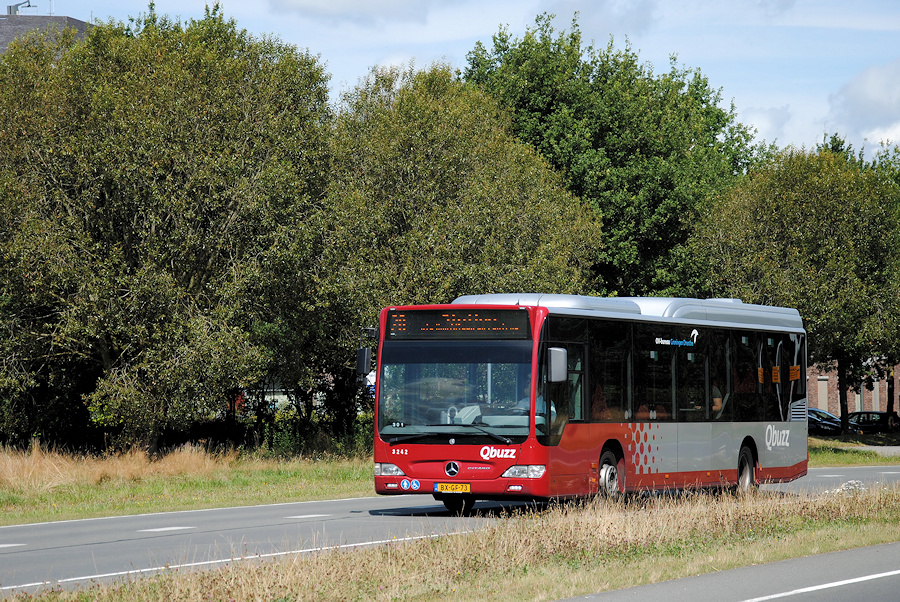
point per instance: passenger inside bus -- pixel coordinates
(716, 400)
(599, 410)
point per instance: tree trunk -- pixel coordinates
(842, 393)
(890, 391)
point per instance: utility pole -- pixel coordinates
(890, 391)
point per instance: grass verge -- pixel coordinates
(849, 451)
(563, 551)
(40, 486)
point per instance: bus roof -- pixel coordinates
(722, 311)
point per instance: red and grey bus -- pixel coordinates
(534, 396)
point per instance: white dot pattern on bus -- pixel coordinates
(644, 446)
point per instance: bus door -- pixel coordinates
(561, 406)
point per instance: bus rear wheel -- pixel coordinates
(611, 480)
(746, 482)
(459, 505)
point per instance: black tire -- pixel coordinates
(459, 505)
(612, 476)
(746, 480)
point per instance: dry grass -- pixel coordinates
(39, 486)
(39, 470)
(563, 551)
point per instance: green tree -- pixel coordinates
(887, 163)
(818, 231)
(643, 149)
(158, 188)
(432, 198)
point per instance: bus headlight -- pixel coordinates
(533, 471)
(388, 470)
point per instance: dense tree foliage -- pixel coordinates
(156, 183)
(644, 149)
(185, 223)
(432, 198)
(818, 231)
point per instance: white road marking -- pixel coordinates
(309, 516)
(82, 520)
(161, 529)
(816, 588)
(169, 567)
(11, 545)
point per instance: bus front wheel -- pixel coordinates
(611, 476)
(746, 472)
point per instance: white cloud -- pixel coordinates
(863, 15)
(889, 135)
(632, 16)
(869, 105)
(770, 122)
(360, 11)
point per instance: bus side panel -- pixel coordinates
(782, 451)
(651, 456)
(723, 452)
(571, 464)
(694, 461)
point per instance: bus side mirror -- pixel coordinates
(363, 360)
(558, 363)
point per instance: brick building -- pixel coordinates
(822, 388)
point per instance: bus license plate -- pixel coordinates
(452, 488)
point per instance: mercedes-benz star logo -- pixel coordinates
(452, 469)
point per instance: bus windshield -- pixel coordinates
(432, 390)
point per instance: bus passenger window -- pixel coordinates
(576, 381)
(599, 409)
(654, 369)
(608, 363)
(720, 387)
(690, 388)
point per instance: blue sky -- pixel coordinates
(794, 69)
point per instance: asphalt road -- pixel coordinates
(80, 551)
(829, 479)
(68, 553)
(871, 574)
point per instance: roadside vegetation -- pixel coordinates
(193, 258)
(40, 485)
(852, 450)
(561, 551)
(163, 265)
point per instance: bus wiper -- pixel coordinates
(491, 434)
(412, 437)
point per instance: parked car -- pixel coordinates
(874, 422)
(821, 422)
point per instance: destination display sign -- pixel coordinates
(465, 324)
